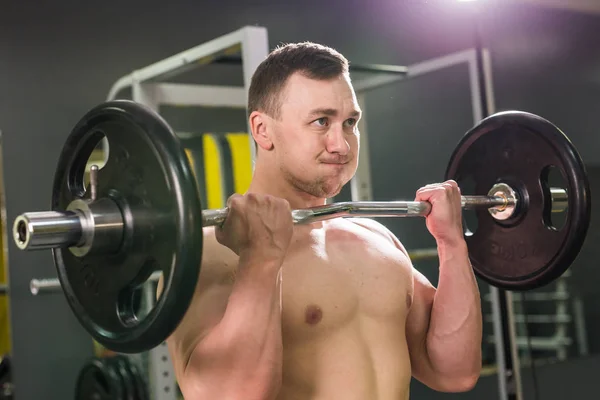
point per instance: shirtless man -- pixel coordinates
(329, 310)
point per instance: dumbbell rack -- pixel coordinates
(561, 310)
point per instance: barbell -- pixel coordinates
(141, 215)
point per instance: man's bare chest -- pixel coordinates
(332, 278)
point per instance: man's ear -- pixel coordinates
(259, 124)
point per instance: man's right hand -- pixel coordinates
(258, 226)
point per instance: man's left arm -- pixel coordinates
(444, 325)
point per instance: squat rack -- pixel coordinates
(148, 87)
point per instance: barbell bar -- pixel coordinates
(44, 230)
(141, 215)
(37, 231)
(50, 229)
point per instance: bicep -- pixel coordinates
(204, 312)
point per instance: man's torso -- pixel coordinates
(346, 292)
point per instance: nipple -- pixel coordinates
(313, 314)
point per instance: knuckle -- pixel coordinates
(235, 202)
(251, 196)
(285, 204)
(254, 199)
(234, 197)
(268, 199)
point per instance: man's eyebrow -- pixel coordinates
(331, 112)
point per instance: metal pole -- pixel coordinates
(49, 285)
(506, 350)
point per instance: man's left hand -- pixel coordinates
(445, 219)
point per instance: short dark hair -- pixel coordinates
(315, 61)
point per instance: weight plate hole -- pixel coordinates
(98, 157)
(93, 152)
(554, 187)
(136, 302)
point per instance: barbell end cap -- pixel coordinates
(22, 232)
(47, 230)
(34, 287)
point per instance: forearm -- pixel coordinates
(244, 350)
(454, 336)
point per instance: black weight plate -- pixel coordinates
(119, 364)
(97, 381)
(141, 389)
(5, 368)
(6, 384)
(149, 176)
(516, 148)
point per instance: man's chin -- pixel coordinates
(332, 190)
(324, 187)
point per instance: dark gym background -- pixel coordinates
(58, 59)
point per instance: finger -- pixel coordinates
(427, 191)
(452, 190)
(434, 194)
(429, 186)
(427, 194)
(448, 183)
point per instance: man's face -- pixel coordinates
(316, 138)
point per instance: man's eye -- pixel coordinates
(351, 121)
(321, 121)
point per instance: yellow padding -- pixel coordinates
(239, 144)
(190, 157)
(212, 173)
(4, 299)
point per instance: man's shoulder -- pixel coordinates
(370, 224)
(378, 228)
(373, 226)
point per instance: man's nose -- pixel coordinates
(336, 141)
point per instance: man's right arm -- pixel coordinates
(228, 345)
(241, 356)
(236, 352)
